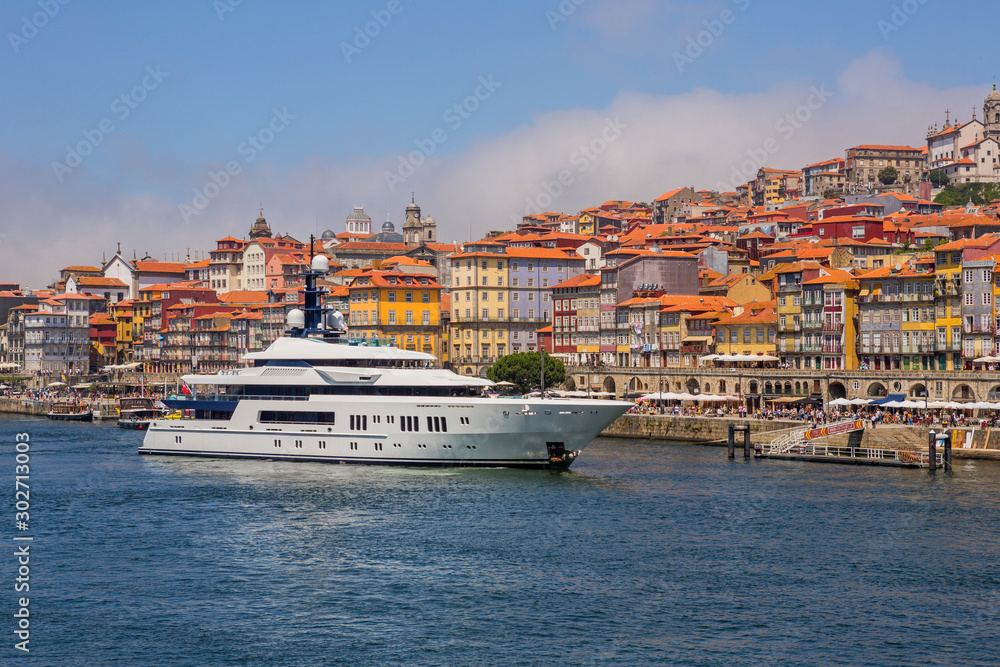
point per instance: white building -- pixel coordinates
(57, 335)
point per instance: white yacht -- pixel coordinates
(315, 396)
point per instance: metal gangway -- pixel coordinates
(797, 437)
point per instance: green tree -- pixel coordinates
(832, 193)
(928, 244)
(888, 175)
(524, 370)
(938, 178)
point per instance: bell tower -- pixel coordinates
(991, 115)
(413, 227)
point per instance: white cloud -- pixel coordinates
(696, 138)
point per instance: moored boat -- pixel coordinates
(316, 395)
(70, 411)
(137, 412)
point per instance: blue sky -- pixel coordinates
(216, 73)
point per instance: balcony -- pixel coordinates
(790, 287)
(694, 349)
(833, 326)
(833, 349)
(812, 324)
(979, 329)
(919, 348)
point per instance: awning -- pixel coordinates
(700, 339)
(891, 398)
(865, 289)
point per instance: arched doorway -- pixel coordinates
(693, 387)
(837, 390)
(609, 385)
(876, 390)
(722, 386)
(963, 392)
(570, 384)
(918, 391)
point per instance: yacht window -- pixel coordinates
(444, 424)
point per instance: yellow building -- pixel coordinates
(751, 332)
(480, 307)
(835, 291)
(948, 304)
(786, 282)
(403, 308)
(123, 315)
(586, 225)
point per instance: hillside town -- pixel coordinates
(857, 263)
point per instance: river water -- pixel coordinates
(645, 553)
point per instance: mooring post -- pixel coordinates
(732, 441)
(746, 441)
(946, 445)
(932, 450)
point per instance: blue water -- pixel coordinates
(646, 553)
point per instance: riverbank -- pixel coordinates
(969, 442)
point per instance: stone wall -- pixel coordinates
(692, 429)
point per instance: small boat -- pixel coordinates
(137, 413)
(70, 411)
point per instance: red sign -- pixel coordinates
(834, 430)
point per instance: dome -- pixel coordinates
(388, 227)
(328, 234)
(358, 214)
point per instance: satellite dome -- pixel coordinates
(328, 234)
(296, 319)
(388, 227)
(321, 263)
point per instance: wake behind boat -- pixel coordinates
(316, 396)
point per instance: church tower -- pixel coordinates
(412, 228)
(260, 228)
(991, 115)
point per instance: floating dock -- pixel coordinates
(804, 445)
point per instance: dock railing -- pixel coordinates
(795, 437)
(804, 448)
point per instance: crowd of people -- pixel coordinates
(873, 416)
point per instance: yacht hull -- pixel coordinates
(533, 433)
